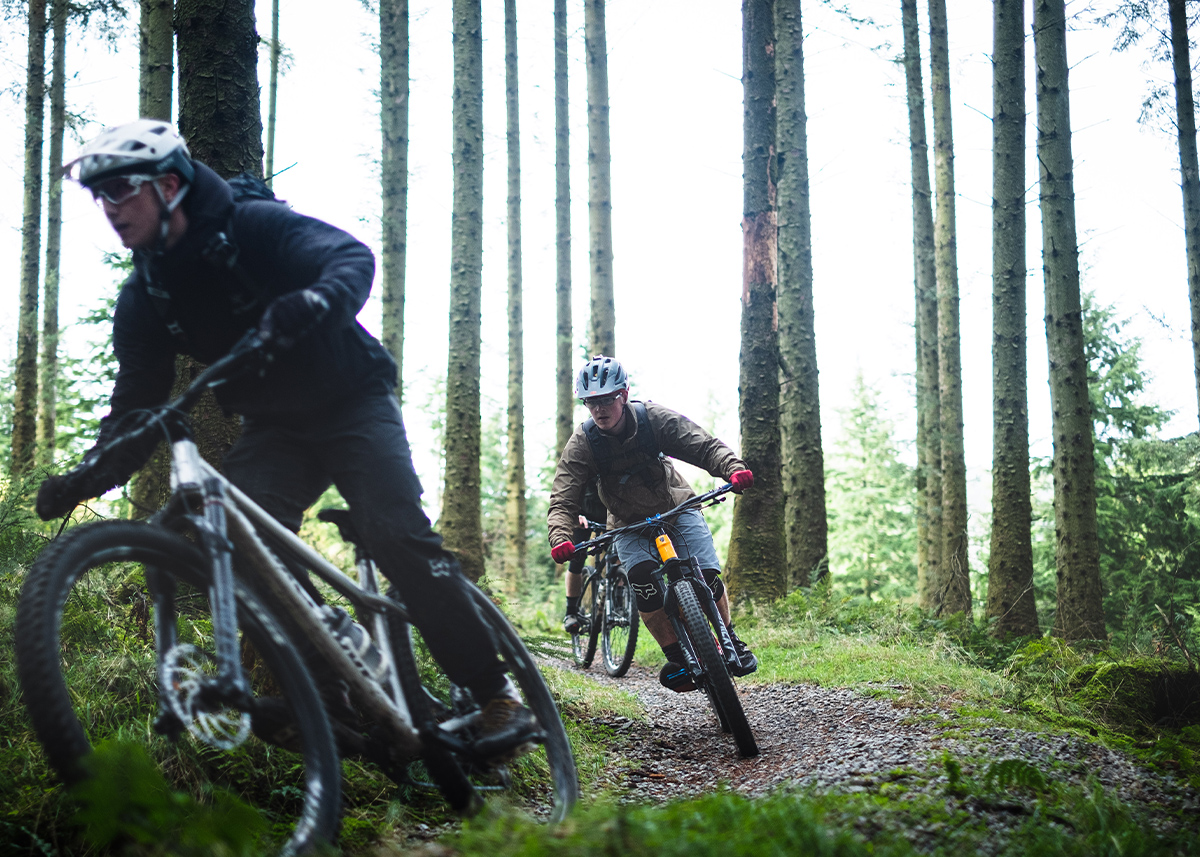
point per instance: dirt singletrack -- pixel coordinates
(835, 739)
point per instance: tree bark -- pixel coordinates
(1185, 112)
(515, 501)
(1010, 598)
(564, 417)
(272, 94)
(393, 113)
(48, 370)
(461, 522)
(807, 528)
(25, 393)
(757, 564)
(929, 429)
(951, 593)
(219, 113)
(602, 326)
(157, 55)
(220, 118)
(1080, 613)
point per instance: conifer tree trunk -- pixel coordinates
(515, 503)
(1189, 168)
(602, 326)
(219, 117)
(25, 393)
(757, 564)
(157, 55)
(564, 334)
(807, 528)
(461, 522)
(393, 174)
(929, 429)
(272, 94)
(1080, 612)
(219, 113)
(1010, 600)
(48, 370)
(951, 593)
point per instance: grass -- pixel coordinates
(878, 649)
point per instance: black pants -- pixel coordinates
(286, 463)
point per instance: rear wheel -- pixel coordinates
(432, 698)
(87, 665)
(583, 642)
(718, 685)
(555, 751)
(619, 635)
(427, 710)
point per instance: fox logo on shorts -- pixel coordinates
(645, 591)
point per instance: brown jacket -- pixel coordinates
(652, 490)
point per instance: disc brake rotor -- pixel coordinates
(188, 671)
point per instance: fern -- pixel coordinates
(1008, 774)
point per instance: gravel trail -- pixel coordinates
(835, 739)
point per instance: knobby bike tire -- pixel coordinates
(583, 645)
(719, 684)
(528, 678)
(621, 619)
(442, 765)
(47, 663)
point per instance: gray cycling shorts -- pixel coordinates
(693, 539)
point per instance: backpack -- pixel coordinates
(222, 253)
(647, 443)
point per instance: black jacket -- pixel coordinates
(280, 251)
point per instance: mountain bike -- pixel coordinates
(692, 611)
(607, 613)
(234, 606)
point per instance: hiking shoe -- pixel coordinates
(675, 677)
(748, 663)
(507, 729)
(573, 624)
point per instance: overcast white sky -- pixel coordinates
(676, 112)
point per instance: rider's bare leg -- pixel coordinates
(574, 583)
(659, 626)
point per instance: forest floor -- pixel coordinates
(828, 739)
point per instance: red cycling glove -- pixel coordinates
(741, 480)
(562, 551)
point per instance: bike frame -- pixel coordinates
(226, 520)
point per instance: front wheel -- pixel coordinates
(583, 642)
(87, 666)
(717, 682)
(620, 632)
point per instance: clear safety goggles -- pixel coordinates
(119, 189)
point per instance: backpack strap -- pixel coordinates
(221, 252)
(647, 444)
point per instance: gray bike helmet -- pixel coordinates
(601, 376)
(148, 146)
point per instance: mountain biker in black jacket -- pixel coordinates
(323, 411)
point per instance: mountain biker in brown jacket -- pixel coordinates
(636, 480)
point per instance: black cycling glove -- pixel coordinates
(290, 318)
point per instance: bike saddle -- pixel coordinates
(341, 519)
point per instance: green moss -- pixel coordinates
(1135, 694)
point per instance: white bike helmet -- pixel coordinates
(148, 146)
(601, 376)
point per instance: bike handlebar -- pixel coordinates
(136, 435)
(709, 498)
